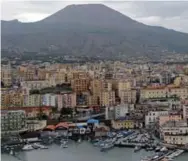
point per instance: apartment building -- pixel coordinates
(107, 98)
(11, 97)
(98, 85)
(33, 112)
(93, 100)
(121, 111)
(185, 111)
(12, 121)
(152, 117)
(128, 96)
(39, 84)
(175, 132)
(6, 75)
(169, 117)
(80, 85)
(153, 92)
(124, 85)
(49, 99)
(66, 100)
(32, 100)
(181, 92)
(123, 124)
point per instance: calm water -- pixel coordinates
(85, 152)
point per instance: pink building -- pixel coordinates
(185, 111)
(59, 102)
(67, 100)
(170, 117)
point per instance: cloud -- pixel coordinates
(31, 17)
(173, 15)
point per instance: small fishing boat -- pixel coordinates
(11, 152)
(107, 147)
(137, 148)
(164, 149)
(65, 146)
(149, 148)
(79, 140)
(27, 147)
(39, 146)
(157, 149)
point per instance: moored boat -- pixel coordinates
(137, 148)
(107, 147)
(27, 147)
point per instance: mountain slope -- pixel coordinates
(92, 29)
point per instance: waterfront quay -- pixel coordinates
(84, 151)
(97, 135)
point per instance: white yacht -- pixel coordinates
(39, 146)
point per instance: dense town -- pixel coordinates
(128, 103)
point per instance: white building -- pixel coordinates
(35, 84)
(109, 113)
(152, 117)
(121, 110)
(49, 100)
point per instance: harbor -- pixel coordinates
(138, 142)
(85, 151)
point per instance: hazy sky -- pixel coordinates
(173, 15)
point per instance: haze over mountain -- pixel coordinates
(92, 29)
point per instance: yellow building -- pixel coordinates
(27, 73)
(96, 87)
(127, 96)
(153, 92)
(106, 86)
(177, 81)
(123, 124)
(176, 139)
(124, 85)
(107, 98)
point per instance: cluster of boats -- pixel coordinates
(64, 143)
(167, 155)
(33, 146)
(174, 154)
(127, 139)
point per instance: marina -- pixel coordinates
(136, 140)
(85, 151)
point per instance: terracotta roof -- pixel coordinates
(50, 127)
(62, 124)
